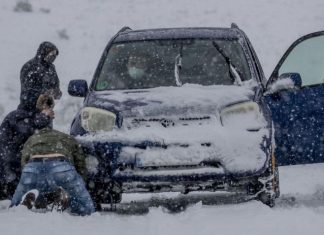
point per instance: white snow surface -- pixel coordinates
(235, 148)
(238, 150)
(188, 100)
(301, 216)
(85, 27)
(282, 84)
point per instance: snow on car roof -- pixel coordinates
(177, 33)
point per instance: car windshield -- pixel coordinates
(154, 63)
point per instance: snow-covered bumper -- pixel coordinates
(186, 179)
(130, 166)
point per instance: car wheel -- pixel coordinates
(115, 197)
(106, 193)
(276, 182)
(270, 182)
(267, 198)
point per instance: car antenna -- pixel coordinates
(125, 28)
(234, 26)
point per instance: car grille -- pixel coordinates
(169, 122)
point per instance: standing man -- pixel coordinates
(38, 76)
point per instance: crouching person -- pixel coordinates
(15, 130)
(51, 161)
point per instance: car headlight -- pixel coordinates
(245, 115)
(95, 119)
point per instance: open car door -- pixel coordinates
(295, 94)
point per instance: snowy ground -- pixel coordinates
(81, 29)
(304, 215)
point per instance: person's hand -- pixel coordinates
(49, 112)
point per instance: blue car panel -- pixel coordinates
(298, 113)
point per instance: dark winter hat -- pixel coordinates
(45, 48)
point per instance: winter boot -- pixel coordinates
(60, 199)
(29, 198)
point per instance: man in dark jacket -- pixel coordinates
(15, 129)
(38, 76)
(48, 160)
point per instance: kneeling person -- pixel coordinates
(48, 160)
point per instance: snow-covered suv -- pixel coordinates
(177, 109)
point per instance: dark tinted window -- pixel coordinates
(148, 64)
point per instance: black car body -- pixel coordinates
(198, 121)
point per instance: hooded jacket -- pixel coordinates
(15, 129)
(38, 76)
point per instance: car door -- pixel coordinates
(298, 112)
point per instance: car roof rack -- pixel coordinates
(123, 29)
(234, 26)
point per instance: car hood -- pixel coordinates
(236, 150)
(195, 135)
(187, 100)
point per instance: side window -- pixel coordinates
(307, 59)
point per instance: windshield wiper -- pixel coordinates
(232, 69)
(177, 67)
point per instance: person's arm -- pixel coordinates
(24, 126)
(51, 84)
(26, 152)
(42, 120)
(29, 76)
(79, 159)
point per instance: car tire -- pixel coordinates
(267, 198)
(272, 191)
(276, 183)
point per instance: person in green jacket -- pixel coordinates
(53, 161)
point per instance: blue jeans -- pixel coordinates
(46, 176)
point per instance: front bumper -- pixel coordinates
(132, 178)
(175, 180)
(183, 181)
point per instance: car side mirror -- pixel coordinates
(78, 88)
(286, 81)
(295, 77)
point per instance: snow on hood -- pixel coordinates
(164, 101)
(237, 149)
